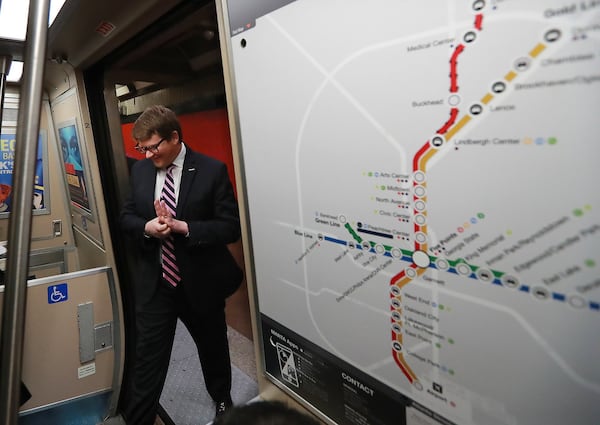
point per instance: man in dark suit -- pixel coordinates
(194, 283)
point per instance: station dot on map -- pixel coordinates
(421, 259)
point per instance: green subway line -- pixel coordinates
(353, 233)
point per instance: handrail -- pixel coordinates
(19, 225)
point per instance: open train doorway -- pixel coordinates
(176, 62)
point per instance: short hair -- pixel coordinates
(264, 413)
(156, 119)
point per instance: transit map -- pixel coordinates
(421, 182)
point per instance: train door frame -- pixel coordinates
(114, 170)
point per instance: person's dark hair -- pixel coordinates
(264, 413)
(156, 119)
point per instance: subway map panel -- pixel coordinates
(422, 183)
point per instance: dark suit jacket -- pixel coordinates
(207, 203)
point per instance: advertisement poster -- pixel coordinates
(7, 152)
(74, 171)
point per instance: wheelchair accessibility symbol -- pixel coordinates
(58, 293)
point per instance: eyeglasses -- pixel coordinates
(152, 148)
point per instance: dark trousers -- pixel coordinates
(156, 322)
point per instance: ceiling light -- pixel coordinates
(13, 17)
(15, 72)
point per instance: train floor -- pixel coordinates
(184, 396)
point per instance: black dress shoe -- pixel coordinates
(222, 406)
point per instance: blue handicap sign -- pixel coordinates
(58, 293)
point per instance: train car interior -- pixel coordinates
(104, 63)
(365, 268)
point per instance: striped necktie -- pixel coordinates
(170, 270)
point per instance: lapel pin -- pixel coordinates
(191, 169)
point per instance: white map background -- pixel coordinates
(331, 93)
